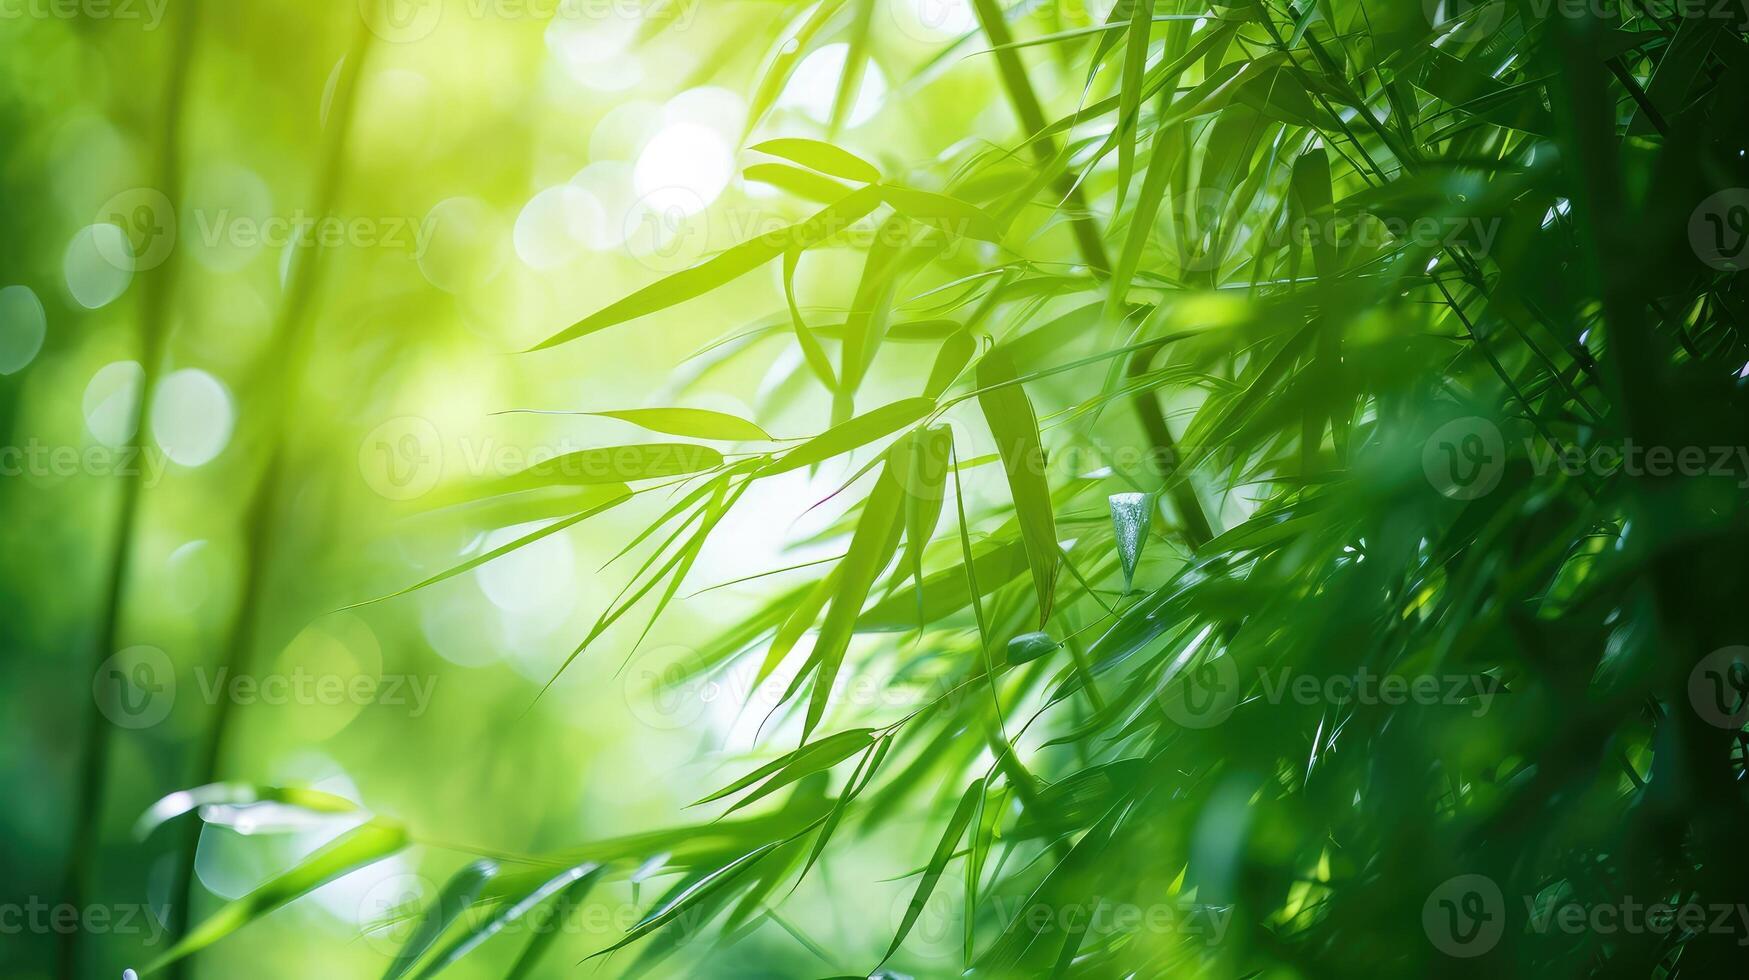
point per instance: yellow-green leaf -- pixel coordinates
(823, 157)
(1012, 422)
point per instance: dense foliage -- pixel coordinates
(1299, 520)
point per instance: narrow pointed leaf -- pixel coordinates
(356, 848)
(1009, 414)
(944, 850)
(823, 157)
(456, 896)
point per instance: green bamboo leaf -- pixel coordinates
(1132, 515)
(950, 214)
(1311, 198)
(946, 592)
(852, 434)
(572, 893)
(956, 352)
(456, 896)
(871, 548)
(866, 325)
(506, 912)
(855, 65)
(697, 423)
(612, 496)
(612, 466)
(1135, 67)
(944, 850)
(1028, 647)
(804, 761)
(922, 473)
(1009, 414)
(693, 894)
(800, 619)
(785, 56)
(823, 157)
(853, 787)
(812, 352)
(352, 850)
(724, 267)
(805, 184)
(176, 804)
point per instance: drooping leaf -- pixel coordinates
(805, 184)
(572, 891)
(1009, 414)
(180, 802)
(823, 157)
(871, 548)
(510, 910)
(354, 849)
(944, 850)
(452, 900)
(852, 434)
(697, 423)
(724, 267)
(952, 215)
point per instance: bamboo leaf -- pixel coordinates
(1009, 414)
(950, 214)
(180, 802)
(871, 548)
(944, 850)
(509, 911)
(823, 157)
(452, 900)
(724, 267)
(352, 850)
(805, 184)
(852, 434)
(697, 423)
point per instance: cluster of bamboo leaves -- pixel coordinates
(1209, 430)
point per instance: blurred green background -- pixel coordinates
(509, 167)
